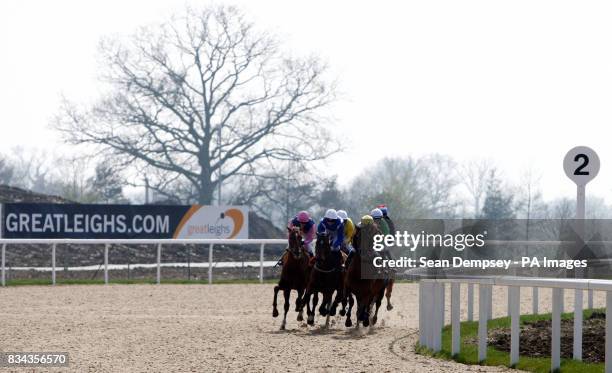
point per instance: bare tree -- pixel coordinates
(6, 171)
(413, 188)
(31, 169)
(107, 184)
(474, 176)
(441, 180)
(205, 98)
(529, 196)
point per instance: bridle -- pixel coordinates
(295, 243)
(323, 251)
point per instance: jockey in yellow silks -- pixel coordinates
(349, 231)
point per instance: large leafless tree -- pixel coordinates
(413, 188)
(203, 99)
(474, 175)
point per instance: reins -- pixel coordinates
(324, 270)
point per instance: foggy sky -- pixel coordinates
(519, 82)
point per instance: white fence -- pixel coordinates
(431, 302)
(158, 242)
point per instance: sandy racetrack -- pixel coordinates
(202, 328)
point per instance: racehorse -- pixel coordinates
(367, 291)
(389, 290)
(324, 278)
(294, 275)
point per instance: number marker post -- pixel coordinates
(581, 165)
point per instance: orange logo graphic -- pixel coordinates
(235, 214)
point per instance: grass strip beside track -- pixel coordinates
(469, 348)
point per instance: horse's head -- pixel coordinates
(323, 246)
(366, 247)
(295, 240)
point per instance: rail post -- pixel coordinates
(159, 251)
(489, 302)
(470, 302)
(210, 263)
(435, 316)
(422, 313)
(535, 299)
(509, 305)
(53, 264)
(429, 298)
(514, 304)
(608, 354)
(482, 322)
(456, 317)
(438, 302)
(106, 264)
(577, 355)
(261, 260)
(3, 264)
(442, 304)
(555, 354)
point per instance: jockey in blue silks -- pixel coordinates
(332, 225)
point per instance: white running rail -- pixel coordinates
(431, 302)
(158, 242)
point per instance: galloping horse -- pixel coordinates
(294, 275)
(324, 278)
(367, 291)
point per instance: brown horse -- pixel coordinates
(367, 291)
(389, 290)
(294, 275)
(324, 278)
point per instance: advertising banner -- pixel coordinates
(34, 220)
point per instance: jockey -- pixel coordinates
(356, 240)
(385, 212)
(377, 215)
(349, 231)
(384, 228)
(307, 227)
(332, 225)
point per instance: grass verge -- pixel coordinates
(469, 351)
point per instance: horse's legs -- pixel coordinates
(327, 300)
(359, 313)
(287, 294)
(343, 301)
(309, 311)
(298, 301)
(379, 298)
(337, 299)
(388, 295)
(311, 315)
(274, 309)
(362, 309)
(298, 309)
(351, 302)
(323, 308)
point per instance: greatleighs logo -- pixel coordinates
(211, 222)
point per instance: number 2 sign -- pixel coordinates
(581, 164)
